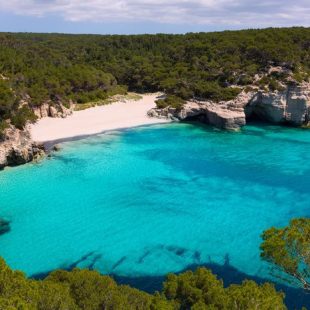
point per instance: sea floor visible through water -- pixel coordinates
(143, 202)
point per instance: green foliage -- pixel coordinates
(170, 101)
(85, 289)
(202, 290)
(245, 80)
(22, 116)
(7, 98)
(215, 92)
(3, 126)
(251, 296)
(91, 290)
(57, 67)
(38, 94)
(79, 289)
(288, 249)
(301, 76)
(196, 288)
(248, 89)
(17, 292)
(275, 85)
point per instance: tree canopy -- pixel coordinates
(52, 67)
(202, 290)
(85, 289)
(288, 249)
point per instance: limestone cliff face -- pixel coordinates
(16, 148)
(53, 110)
(290, 106)
(225, 115)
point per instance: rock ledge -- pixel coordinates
(290, 106)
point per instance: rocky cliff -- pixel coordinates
(48, 109)
(17, 148)
(288, 106)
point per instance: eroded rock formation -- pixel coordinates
(53, 110)
(288, 106)
(16, 147)
(291, 106)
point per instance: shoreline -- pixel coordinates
(48, 145)
(95, 121)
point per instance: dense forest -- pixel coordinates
(37, 68)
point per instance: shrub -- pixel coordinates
(3, 126)
(275, 85)
(170, 101)
(7, 98)
(245, 80)
(22, 116)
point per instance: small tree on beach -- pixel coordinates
(288, 249)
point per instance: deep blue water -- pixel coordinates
(147, 201)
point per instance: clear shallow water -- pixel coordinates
(148, 201)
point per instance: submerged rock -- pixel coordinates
(57, 148)
(4, 226)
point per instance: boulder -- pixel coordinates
(56, 147)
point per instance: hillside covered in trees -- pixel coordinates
(38, 68)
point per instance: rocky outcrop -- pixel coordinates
(16, 148)
(288, 106)
(49, 109)
(225, 115)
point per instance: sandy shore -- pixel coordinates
(96, 120)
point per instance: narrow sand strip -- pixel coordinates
(96, 120)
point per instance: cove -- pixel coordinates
(147, 201)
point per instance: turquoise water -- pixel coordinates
(147, 201)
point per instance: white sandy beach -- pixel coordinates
(96, 120)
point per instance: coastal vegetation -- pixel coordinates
(170, 101)
(37, 69)
(40, 68)
(287, 248)
(85, 289)
(117, 97)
